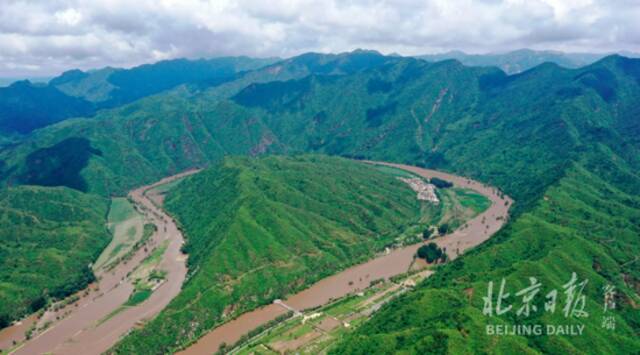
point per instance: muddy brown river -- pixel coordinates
(360, 276)
(83, 330)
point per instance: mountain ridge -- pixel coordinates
(564, 143)
(430, 81)
(76, 93)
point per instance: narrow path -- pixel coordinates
(81, 331)
(359, 277)
(287, 307)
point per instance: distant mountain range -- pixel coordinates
(359, 104)
(523, 59)
(4, 82)
(27, 105)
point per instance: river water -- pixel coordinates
(83, 329)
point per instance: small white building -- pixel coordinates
(426, 191)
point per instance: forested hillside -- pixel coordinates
(588, 223)
(110, 87)
(260, 229)
(25, 106)
(519, 132)
(48, 239)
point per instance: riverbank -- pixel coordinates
(360, 277)
(89, 325)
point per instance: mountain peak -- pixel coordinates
(365, 51)
(21, 84)
(68, 76)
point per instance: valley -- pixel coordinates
(360, 278)
(94, 319)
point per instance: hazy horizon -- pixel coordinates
(8, 80)
(44, 38)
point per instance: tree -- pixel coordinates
(427, 233)
(443, 229)
(4, 321)
(430, 252)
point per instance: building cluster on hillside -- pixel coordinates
(426, 191)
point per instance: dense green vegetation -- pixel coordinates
(260, 229)
(519, 132)
(138, 297)
(163, 134)
(111, 87)
(586, 219)
(564, 143)
(588, 223)
(48, 239)
(439, 183)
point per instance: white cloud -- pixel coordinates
(69, 17)
(54, 35)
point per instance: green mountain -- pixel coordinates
(588, 222)
(123, 147)
(110, 87)
(48, 237)
(7, 81)
(25, 107)
(564, 143)
(259, 229)
(519, 131)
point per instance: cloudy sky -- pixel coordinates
(44, 37)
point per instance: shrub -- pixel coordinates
(427, 233)
(441, 184)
